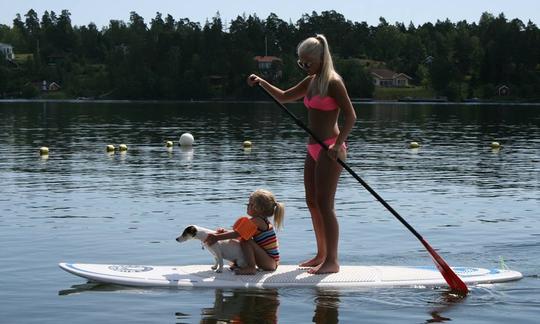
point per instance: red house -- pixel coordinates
(270, 67)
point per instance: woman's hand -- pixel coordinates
(220, 230)
(253, 80)
(335, 151)
(211, 239)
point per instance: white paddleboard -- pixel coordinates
(284, 276)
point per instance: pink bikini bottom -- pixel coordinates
(314, 149)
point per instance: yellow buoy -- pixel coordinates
(110, 148)
(247, 144)
(169, 143)
(43, 150)
(495, 145)
(122, 147)
(414, 145)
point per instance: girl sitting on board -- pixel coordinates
(325, 97)
(256, 233)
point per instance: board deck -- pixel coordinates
(284, 276)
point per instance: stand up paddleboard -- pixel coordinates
(284, 276)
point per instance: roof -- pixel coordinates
(5, 45)
(388, 74)
(269, 59)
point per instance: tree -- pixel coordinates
(175, 58)
(358, 80)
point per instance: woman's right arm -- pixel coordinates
(292, 94)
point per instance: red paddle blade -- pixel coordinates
(448, 274)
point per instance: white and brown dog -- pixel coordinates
(224, 249)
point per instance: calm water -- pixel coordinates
(473, 204)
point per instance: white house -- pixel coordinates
(7, 51)
(388, 78)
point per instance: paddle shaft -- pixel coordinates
(453, 280)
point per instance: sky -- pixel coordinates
(417, 11)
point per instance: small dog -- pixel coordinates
(224, 249)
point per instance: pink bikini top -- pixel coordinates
(321, 103)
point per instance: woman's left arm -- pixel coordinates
(339, 92)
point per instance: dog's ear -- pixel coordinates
(191, 230)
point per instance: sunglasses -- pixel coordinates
(304, 65)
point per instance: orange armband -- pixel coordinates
(245, 227)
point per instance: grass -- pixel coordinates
(21, 58)
(55, 95)
(382, 93)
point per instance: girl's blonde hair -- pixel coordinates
(318, 46)
(265, 203)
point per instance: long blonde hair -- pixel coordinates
(265, 203)
(318, 46)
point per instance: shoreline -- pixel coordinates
(225, 101)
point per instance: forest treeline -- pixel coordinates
(170, 58)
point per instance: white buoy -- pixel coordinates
(110, 148)
(43, 150)
(169, 143)
(122, 147)
(247, 144)
(414, 145)
(186, 140)
(495, 145)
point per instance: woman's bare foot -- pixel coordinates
(245, 271)
(326, 267)
(315, 261)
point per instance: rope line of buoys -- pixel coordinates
(187, 140)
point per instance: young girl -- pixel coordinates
(325, 96)
(257, 236)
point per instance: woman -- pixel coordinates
(325, 96)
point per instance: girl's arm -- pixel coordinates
(213, 238)
(292, 94)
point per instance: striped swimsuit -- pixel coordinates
(268, 241)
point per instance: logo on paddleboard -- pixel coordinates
(130, 268)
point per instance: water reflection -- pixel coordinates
(243, 306)
(89, 286)
(326, 307)
(262, 305)
(447, 300)
(186, 153)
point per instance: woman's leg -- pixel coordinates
(327, 172)
(316, 218)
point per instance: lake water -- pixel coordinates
(473, 204)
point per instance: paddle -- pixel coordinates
(449, 275)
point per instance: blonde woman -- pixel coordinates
(325, 97)
(256, 233)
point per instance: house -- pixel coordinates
(7, 51)
(383, 77)
(270, 67)
(503, 90)
(53, 86)
(45, 86)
